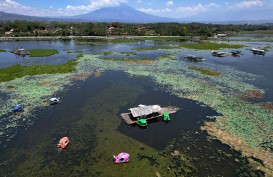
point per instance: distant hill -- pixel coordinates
(254, 16)
(122, 13)
(11, 17)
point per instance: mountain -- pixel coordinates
(127, 14)
(122, 13)
(11, 17)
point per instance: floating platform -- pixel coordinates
(129, 119)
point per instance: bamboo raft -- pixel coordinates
(170, 109)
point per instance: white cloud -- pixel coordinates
(248, 4)
(155, 11)
(139, 1)
(11, 6)
(169, 3)
(96, 4)
(193, 10)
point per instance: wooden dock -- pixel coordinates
(170, 109)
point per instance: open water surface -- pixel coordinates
(88, 103)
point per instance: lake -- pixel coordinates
(89, 114)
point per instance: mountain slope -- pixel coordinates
(10, 17)
(122, 13)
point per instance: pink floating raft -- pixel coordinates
(121, 158)
(63, 143)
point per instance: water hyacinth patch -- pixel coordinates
(204, 71)
(42, 52)
(210, 46)
(17, 71)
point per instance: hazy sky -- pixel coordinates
(165, 8)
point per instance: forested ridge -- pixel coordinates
(28, 28)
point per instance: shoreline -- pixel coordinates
(27, 38)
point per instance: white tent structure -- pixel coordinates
(143, 110)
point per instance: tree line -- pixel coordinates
(39, 28)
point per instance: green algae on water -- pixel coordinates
(205, 71)
(242, 117)
(210, 46)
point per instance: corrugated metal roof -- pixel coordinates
(142, 110)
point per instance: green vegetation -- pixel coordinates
(42, 52)
(242, 117)
(267, 48)
(117, 40)
(1, 50)
(77, 51)
(131, 60)
(168, 56)
(128, 53)
(123, 53)
(153, 48)
(91, 41)
(210, 46)
(108, 53)
(17, 71)
(11, 87)
(178, 30)
(205, 71)
(165, 38)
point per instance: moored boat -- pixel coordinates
(18, 108)
(218, 54)
(236, 53)
(54, 101)
(21, 51)
(194, 57)
(258, 51)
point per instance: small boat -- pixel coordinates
(21, 51)
(193, 57)
(63, 142)
(166, 117)
(17, 108)
(236, 53)
(258, 51)
(142, 122)
(218, 54)
(121, 158)
(54, 100)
